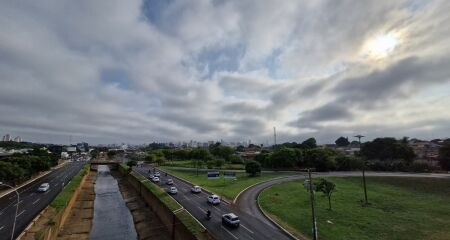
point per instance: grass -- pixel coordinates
(192, 164)
(64, 196)
(191, 224)
(228, 188)
(401, 208)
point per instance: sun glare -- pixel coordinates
(381, 46)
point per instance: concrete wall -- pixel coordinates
(176, 227)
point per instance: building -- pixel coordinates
(83, 147)
(425, 150)
(7, 138)
(18, 139)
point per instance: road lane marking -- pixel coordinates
(20, 213)
(36, 201)
(1, 227)
(18, 203)
(32, 194)
(229, 232)
(203, 210)
(218, 209)
(247, 229)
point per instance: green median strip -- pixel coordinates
(64, 196)
(191, 224)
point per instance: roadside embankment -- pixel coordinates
(179, 223)
(146, 223)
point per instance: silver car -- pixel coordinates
(44, 187)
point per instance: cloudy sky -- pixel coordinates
(111, 71)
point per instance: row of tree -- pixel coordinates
(18, 167)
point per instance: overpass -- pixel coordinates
(111, 163)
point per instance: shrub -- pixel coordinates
(253, 168)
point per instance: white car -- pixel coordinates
(157, 174)
(44, 187)
(155, 179)
(173, 190)
(196, 189)
(169, 181)
(213, 199)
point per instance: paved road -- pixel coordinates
(31, 202)
(196, 204)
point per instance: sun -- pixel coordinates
(381, 46)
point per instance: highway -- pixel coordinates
(196, 204)
(33, 202)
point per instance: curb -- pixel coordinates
(32, 223)
(274, 222)
(204, 189)
(239, 194)
(32, 180)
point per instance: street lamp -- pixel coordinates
(359, 136)
(17, 208)
(308, 184)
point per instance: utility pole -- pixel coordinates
(311, 196)
(359, 136)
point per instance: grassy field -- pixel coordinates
(191, 164)
(401, 208)
(224, 187)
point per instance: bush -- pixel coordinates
(236, 159)
(253, 168)
(419, 166)
(348, 163)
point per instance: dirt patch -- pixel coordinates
(146, 223)
(78, 224)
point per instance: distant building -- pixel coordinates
(425, 150)
(7, 138)
(18, 139)
(71, 149)
(83, 147)
(55, 149)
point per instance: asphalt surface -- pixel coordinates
(33, 202)
(196, 204)
(112, 218)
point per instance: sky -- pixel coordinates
(113, 71)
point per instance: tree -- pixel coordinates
(240, 148)
(111, 154)
(131, 163)
(387, 149)
(444, 156)
(201, 154)
(253, 168)
(327, 187)
(342, 142)
(322, 159)
(284, 157)
(309, 143)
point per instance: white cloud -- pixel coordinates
(296, 65)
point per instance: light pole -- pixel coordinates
(17, 208)
(311, 196)
(359, 136)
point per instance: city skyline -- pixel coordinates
(122, 71)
